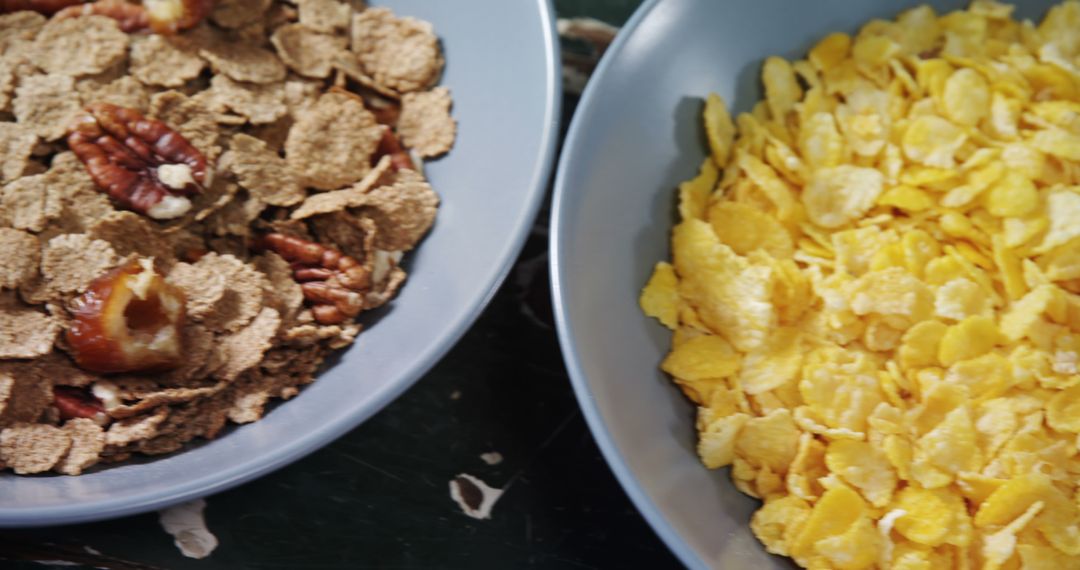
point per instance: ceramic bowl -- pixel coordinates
(635, 135)
(502, 69)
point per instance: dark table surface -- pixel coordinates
(378, 497)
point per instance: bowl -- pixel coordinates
(491, 185)
(636, 134)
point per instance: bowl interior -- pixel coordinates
(634, 137)
(491, 185)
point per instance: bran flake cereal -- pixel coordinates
(875, 294)
(338, 129)
(304, 49)
(288, 148)
(425, 123)
(399, 54)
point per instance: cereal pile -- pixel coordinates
(191, 222)
(875, 295)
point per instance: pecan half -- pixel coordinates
(332, 282)
(128, 320)
(74, 402)
(141, 163)
(160, 16)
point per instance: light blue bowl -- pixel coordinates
(502, 68)
(634, 137)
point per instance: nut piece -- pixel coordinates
(331, 281)
(389, 145)
(160, 16)
(141, 163)
(128, 320)
(74, 402)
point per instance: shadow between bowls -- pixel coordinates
(634, 137)
(491, 184)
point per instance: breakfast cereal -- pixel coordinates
(875, 294)
(195, 212)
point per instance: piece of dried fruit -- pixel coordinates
(332, 282)
(139, 162)
(128, 320)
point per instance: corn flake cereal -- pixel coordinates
(875, 294)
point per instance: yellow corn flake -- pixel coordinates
(791, 292)
(777, 522)
(854, 250)
(1023, 317)
(773, 364)
(775, 189)
(771, 440)
(702, 357)
(929, 514)
(838, 195)
(952, 446)
(782, 90)
(865, 121)
(745, 228)
(933, 141)
(820, 142)
(971, 337)
(1011, 499)
(938, 399)
(716, 442)
(978, 181)
(830, 51)
(1062, 263)
(1009, 264)
(806, 470)
(906, 198)
(1063, 410)
(919, 345)
(694, 193)
(842, 393)
(976, 488)
(1057, 142)
(855, 549)
(660, 297)
(1018, 231)
(718, 128)
(864, 468)
(966, 97)
(1063, 210)
(959, 299)
(1004, 115)
(874, 50)
(891, 292)
(837, 511)
(731, 295)
(985, 376)
(998, 547)
(919, 248)
(1013, 196)
(1041, 556)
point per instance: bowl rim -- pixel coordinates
(567, 341)
(234, 475)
